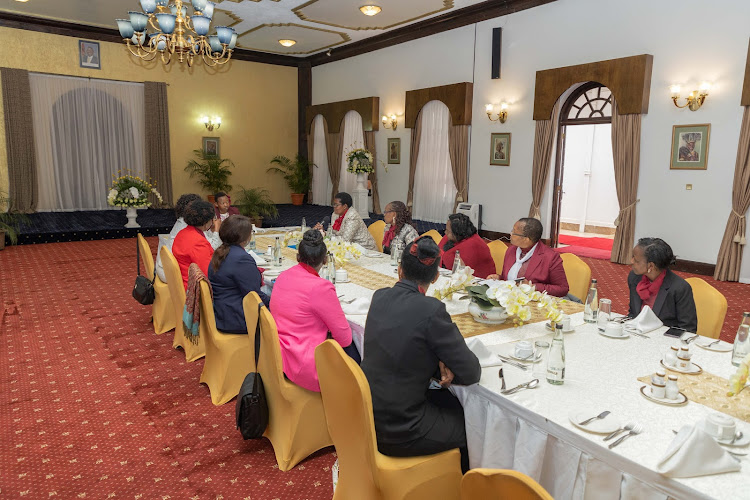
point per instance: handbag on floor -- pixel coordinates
(143, 290)
(251, 409)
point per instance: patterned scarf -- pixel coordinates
(191, 313)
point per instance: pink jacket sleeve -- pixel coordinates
(328, 308)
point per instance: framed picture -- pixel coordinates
(394, 150)
(211, 145)
(89, 54)
(500, 149)
(690, 147)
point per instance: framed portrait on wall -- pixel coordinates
(89, 54)
(690, 147)
(500, 149)
(394, 150)
(211, 146)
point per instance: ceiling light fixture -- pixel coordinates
(287, 43)
(370, 10)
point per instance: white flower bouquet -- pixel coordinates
(342, 251)
(739, 378)
(131, 191)
(360, 161)
(457, 283)
(515, 300)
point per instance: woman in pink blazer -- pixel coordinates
(306, 309)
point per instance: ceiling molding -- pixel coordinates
(447, 4)
(344, 37)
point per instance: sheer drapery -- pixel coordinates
(729, 261)
(85, 131)
(626, 152)
(333, 147)
(416, 137)
(458, 145)
(373, 177)
(352, 137)
(435, 191)
(544, 138)
(158, 159)
(310, 154)
(321, 176)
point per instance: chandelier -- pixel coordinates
(174, 33)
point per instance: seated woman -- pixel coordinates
(306, 308)
(653, 284)
(190, 245)
(398, 226)
(461, 235)
(410, 339)
(233, 274)
(348, 224)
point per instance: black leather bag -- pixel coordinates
(143, 290)
(251, 409)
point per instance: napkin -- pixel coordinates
(693, 453)
(486, 357)
(359, 306)
(645, 322)
(260, 261)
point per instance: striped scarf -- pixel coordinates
(191, 313)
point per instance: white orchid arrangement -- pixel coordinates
(515, 300)
(292, 236)
(457, 283)
(342, 251)
(131, 191)
(739, 378)
(360, 161)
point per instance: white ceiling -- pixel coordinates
(316, 25)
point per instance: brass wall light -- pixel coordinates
(211, 123)
(391, 123)
(502, 115)
(696, 98)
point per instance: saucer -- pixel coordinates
(530, 359)
(608, 335)
(744, 441)
(343, 281)
(680, 401)
(694, 371)
(374, 255)
(271, 273)
(548, 326)
(606, 425)
(720, 347)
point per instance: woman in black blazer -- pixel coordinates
(233, 274)
(410, 339)
(652, 283)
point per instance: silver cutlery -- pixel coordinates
(737, 435)
(518, 365)
(526, 385)
(597, 417)
(500, 374)
(638, 334)
(627, 428)
(689, 339)
(711, 343)
(637, 429)
(347, 301)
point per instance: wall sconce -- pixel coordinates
(502, 115)
(211, 123)
(694, 100)
(393, 122)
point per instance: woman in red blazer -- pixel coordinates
(461, 235)
(529, 258)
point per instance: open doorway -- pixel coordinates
(585, 198)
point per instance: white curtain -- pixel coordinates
(354, 138)
(85, 130)
(321, 181)
(434, 189)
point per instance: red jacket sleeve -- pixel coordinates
(557, 284)
(201, 254)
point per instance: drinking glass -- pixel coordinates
(539, 369)
(605, 313)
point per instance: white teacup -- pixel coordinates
(613, 329)
(658, 391)
(342, 275)
(524, 349)
(566, 323)
(720, 426)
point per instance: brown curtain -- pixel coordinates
(416, 137)
(626, 151)
(458, 146)
(310, 151)
(19, 140)
(544, 139)
(730, 253)
(333, 146)
(158, 159)
(373, 177)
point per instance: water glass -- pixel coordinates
(605, 313)
(539, 369)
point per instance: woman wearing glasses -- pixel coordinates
(348, 224)
(398, 226)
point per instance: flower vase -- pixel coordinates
(362, 181)
(132, 215)
(493, 316)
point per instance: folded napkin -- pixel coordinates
(260, 261)
(486, 357)
(647, 321)
(693, 453)
(359, 306)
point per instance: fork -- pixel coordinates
(347, 301)
(637, 429)
(513, 363)
(627, 428)
(711, 343)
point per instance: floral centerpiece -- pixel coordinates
(457, 283)
(493, 304)
(360, 161)
(130, 191)
(341, 250)
(738, 379)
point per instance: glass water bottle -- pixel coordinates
(741, 344)
(556, 358)
(304, 226)
(331, 268)
(251, 243)
(277, 252)
(591, 308)
(457, 262)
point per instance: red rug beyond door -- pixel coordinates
(595, 248)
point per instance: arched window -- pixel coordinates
(591, 103)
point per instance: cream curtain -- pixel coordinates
(544, 139)
(333, 146)
(416, 137)
(19, 140)
(310, 157)
(158, 156)
(458, 145)
(352, 137)
(321, 179)
(373, 177)
(730, 253)
(626, 151)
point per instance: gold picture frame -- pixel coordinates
(500, 149)
(394, 150)
(690, 147)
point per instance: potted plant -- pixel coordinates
(296, 173)
(9, 222)
(212, 171)
(255, 203)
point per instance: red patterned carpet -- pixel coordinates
(94, 405)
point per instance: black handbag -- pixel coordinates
(143, 290)
(251, 409)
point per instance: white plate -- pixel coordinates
(720, 347)
(343, 281)
(695, 370)
(606, 425)
(680, 401)
(374, 255)
(271, 273)
(548, 325)
(608, 335)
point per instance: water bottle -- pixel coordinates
(304, 226)
(556, 358)
(395, 253)
(251, 243)
(591, 309)
(457, 262)
(277, 252)
(741, 343)
(331, 268)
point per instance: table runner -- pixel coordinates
(470, 328)
(367, 278)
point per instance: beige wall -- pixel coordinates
(257, 104)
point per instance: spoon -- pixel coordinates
(527, 385)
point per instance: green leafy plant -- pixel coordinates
(9, 221)
(296, 172)
(213, 172)
(254, 202)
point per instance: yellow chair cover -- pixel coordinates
(297, 426)
(365, 473)
(497, 249)
(228, 355)
(498, 484)
(162, 312)
(578, 274)
(434, 235)
(711, 307)
(177, 293)
(376, 230)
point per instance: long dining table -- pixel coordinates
(531, 431)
